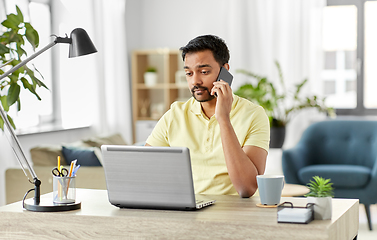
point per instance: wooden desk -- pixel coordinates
(230, 218)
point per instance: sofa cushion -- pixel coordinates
(84, 156)
(47, 155)
(115, 139)
(342, 176)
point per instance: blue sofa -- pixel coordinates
(342, 150)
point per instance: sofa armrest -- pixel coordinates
(292, 161)
(16, 183)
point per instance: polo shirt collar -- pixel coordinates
(196, 107)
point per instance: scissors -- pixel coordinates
(62, 173)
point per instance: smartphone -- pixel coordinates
(225, 76)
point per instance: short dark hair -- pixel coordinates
(217, 46)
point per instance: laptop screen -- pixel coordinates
(148, 177)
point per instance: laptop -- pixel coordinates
(150, 177)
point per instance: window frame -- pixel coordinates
(360, 109)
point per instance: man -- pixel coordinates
(228, 136)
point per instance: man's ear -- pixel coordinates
(226, 66)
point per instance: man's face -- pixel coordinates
(201, 71)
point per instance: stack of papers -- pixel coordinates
(295, 215)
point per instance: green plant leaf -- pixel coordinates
(8, 23)
(30, 87)
(13, 93)
(1, 123)
(281, 77)
(11, 121)
(4, 103)
(3, 49)
(279, 106)
(35, 69)
(12, 21)
(320, 187)
(14, 37)
(299, 87)
(32, 35)
(35, 79)
(20, 16)
(18, 105)
(20, 51)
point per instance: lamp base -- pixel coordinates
(49, 206)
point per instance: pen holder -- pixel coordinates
(64, 190)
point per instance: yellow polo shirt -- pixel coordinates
(185, 125)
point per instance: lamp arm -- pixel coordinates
(24, 62)
(15, 139)
(18, 151)
(21, 155)
(4, 116)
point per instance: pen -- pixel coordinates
(59, 163)
(73, 165)
(75, 170)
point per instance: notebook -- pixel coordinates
(150, 177)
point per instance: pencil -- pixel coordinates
(71, 169)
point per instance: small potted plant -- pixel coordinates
(150, 76)
(321, 193)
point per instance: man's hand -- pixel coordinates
(224, 100)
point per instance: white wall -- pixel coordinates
(172, 23)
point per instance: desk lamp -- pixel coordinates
(79, 45)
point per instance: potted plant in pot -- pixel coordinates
(280, 107)
(16, 33)
(321, 194)
(150, 76)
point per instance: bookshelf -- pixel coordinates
(149, 103)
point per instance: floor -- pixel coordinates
(364, 233)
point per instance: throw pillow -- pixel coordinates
(47, 155)
(84, 156)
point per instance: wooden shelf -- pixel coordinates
(149, 103)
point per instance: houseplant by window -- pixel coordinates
(280, 107)
(321, 194)
(12, 41)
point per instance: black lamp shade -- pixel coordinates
(81, 43)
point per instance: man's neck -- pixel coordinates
(209, 107)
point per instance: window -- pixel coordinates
(34, 112)
(69, 101)
(349, 37)
(370, 55)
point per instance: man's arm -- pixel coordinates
(243, 164)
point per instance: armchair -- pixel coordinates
(342, 150)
